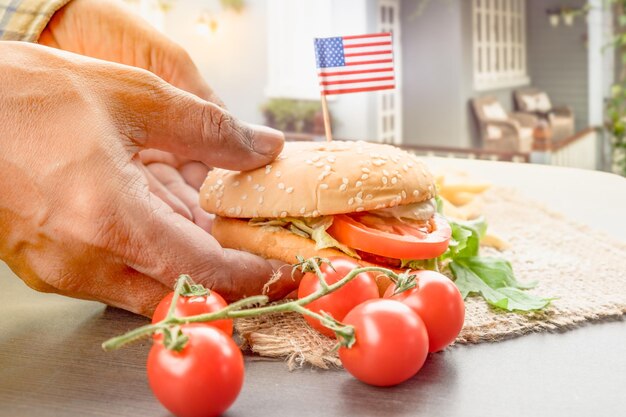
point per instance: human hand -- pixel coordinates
(76, 214)
(108, 30)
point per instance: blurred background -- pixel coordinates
(518, 80)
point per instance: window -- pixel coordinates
(499, 39)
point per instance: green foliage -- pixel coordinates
(615, 108)
(291, 115)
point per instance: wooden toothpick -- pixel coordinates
(329, 133)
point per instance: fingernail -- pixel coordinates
(267, 141)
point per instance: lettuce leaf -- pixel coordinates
(308, 227)
(493, 279)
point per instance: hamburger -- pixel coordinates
(372, 202)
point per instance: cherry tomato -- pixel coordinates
(391, 343)
(391, 238)
(439, 304)
(203, 379)
(191, 306)
(338, 303)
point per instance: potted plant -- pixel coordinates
(291, 115)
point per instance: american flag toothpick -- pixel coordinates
(353, 64)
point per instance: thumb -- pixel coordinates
(154, 114)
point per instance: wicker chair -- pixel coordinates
(537, 103)
(502, 131)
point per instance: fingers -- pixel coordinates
(174, 182)
(163, 245)
(160, 190)
(194, 173)
(154, 114)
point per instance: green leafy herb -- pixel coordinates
(494, 280)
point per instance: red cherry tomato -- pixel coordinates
(439, 304)
(203, 379)
(194, 305)
(391, 343)
(338, 303)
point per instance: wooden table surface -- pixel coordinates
(51, 363)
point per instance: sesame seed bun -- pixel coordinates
(311, 179)
(277, 244)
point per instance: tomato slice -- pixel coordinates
(392, 238)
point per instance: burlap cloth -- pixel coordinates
(583, 268)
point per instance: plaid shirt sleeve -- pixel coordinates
(24, 20)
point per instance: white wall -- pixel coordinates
(234, 60)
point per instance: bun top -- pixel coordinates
(310, 179)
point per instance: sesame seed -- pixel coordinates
(343, 187)
(283, 214)
(351, 201)
(218, 203)
(358, 200)
(249, 178)
(315, 158)
(344, 180)
(302, 210)
(359, 194)
(220, 182)
(255, 186)
(319, 164)
(360, 209)
(236, 184)
(261, 189)
(369, 197)
(385, 172)
(385, 180)
(394, 180)
(405, 167)
(358, 183)
(268, 168)
(366, 170)
(410, 164)
(238, 210)
(403, 194)
(416, 193)
(330, 159)
(393, 203)
(281, 186)
(379, 162)
(261, 200)
(289, 190)
(231, 210)
(315, 213)
(323, 175)
(278, 174)
(326, 167)
(365, 176)
(324, 186)
(308, 161)
(244, 196)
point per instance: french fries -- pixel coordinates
(461, 201)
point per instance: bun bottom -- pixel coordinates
(275, 244)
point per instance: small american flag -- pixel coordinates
(352, 64)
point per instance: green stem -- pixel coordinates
(180, 284)
(235, 310)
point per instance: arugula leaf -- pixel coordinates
(496, 272)
(465, 240)
(492, 278)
